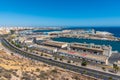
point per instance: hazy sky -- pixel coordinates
(60, 12)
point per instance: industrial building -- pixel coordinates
(55, 44)
(90, 52)
(92, 49)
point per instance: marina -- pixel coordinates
(115, 44)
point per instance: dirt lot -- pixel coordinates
(15, 67)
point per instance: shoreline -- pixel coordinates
(88, 38)
(82, 40)
(85, 35)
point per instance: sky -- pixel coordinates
(60, 12)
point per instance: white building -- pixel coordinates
(103, 33)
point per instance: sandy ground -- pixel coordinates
(15, 67)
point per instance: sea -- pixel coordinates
(114, 30)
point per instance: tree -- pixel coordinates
(110, 78)
(68, 61)
(61, 59)
(55, 58)
(18, 45)
(41, 54)
(84, 62)
(12, 42)
(104, 68)
(85, 72)
(115, 67)
(12, 31)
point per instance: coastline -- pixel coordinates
(94, 38)
(115, 44)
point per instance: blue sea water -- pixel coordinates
(115, 30)
(45, 31)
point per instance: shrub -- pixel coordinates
(68, 61)
(7, 75)
(37, 70)
(54, 71)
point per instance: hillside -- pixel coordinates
(15, 67)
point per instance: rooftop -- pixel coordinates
(54, 43)
(97, 48)
(86, 55)
(82, 55)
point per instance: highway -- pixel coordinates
(90, 72)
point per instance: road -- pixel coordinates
(90, 72)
